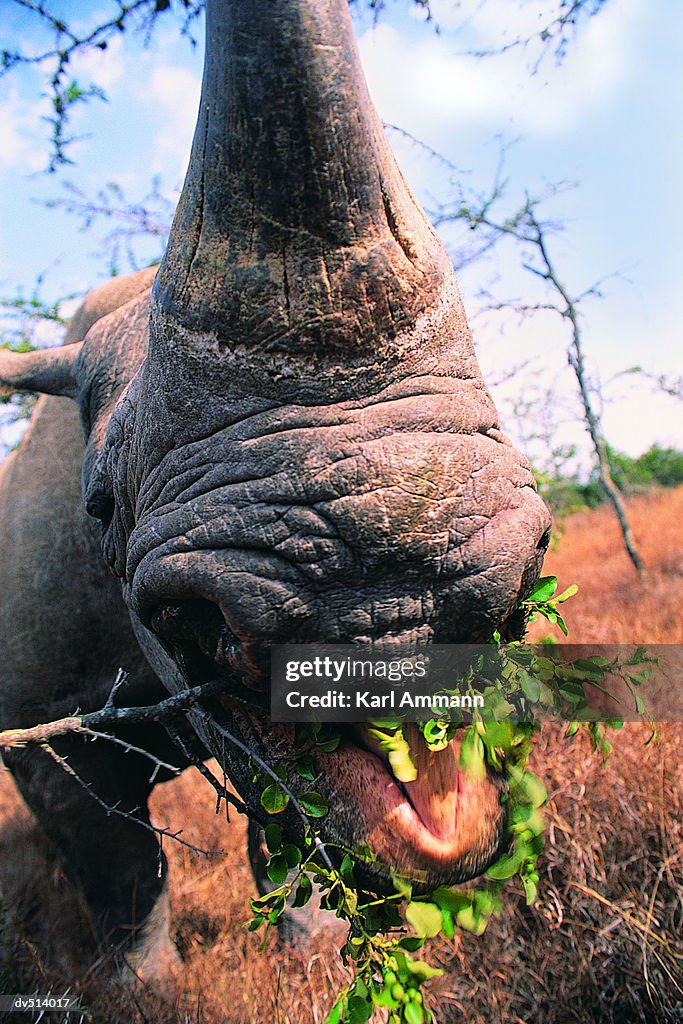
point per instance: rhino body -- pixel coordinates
(287, 438)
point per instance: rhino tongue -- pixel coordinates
(434, 793)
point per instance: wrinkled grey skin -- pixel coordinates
(287, 439)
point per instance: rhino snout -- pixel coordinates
(195, 634)
(348, 570)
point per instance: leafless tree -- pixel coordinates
(527, 229)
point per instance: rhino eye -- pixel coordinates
(100, 506)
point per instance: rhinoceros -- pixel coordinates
(287, 439)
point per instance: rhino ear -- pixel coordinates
(49, 371)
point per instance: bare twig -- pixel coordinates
(264, 766)
(222, 793)
(133, 223)
(168, 712)
(525, 227)
(110, 715)
(129, 815)
(70, 42)
(554, 34)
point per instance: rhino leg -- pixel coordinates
(64, 634)
(115, 861)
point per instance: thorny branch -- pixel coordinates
(93, 726)
(264, 766)
(134, 222)
(168, 712)
(555, 34)
(222, 793)
(131, 815)
(69, 43)
(110, 716)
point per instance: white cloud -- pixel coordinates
(103, 68)
(635, 415)
(438, 87)
(69, 306)
(22, 150)
(47, 333)
(642, 418)
(175, 92)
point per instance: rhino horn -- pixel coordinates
(295, 228)
(49, 371)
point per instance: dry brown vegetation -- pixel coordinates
(602, 944)
(612, 605)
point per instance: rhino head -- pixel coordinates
(291, 440)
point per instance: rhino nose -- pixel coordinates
(544, 541)
(179, 621)
(197, 636)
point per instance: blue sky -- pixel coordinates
(607, 120)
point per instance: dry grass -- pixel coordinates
(603, 943)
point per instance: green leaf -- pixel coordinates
(526, 818)
(273, 834)
(562, 624)
(566, 594)
(544, 589)
(329, 745)
(277, 910)
(303, 892)
(471, 759)
(402, 764)
(531, 688)
(420, 970)
(485, 902)
(335, 1014)
(437, 734)
(533, 788)
(509, 864)
(304, 768)
(292, 855)
(314, 804)
(424, 918)
(471, 921)
(260, 904)
(351, 901)
(277, 868)
(402, 886)
(413, 1013)
(447, 923)
(386, 1000)
(450, 899)
(274, 799)
(359, 1010)
(346, 869)
(360, 989)
(530, 884)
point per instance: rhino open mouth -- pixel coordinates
(441, 829)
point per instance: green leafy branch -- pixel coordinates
(385, 931)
